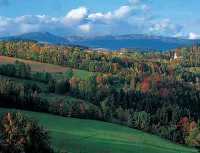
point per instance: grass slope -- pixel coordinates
(44, 67)
(86, 136)
(82, 74)
(35, 66)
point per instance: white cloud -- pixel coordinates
(5, 24)
(3, 21)
(193, 35)
(160, 26)
(75, 15)
(100, 16)
(27, 23)
(25, 28)
(165, 27)
(79, 18)
(122, 11)
(85, 28)
(108, 17)
(135, 17)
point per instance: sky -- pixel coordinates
(173, 18)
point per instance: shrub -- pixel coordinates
(62, 87)
(22, 135)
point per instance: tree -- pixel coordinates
(141, 120)
(69, 73)
(133, 84)
(188, 130)
(193, 138)
(62, 87)
(51, 85)
(122, 115)
(23, 135)
(145, 85)
(106, 110)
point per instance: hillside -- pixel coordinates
(156, 92)
(141, 42)
(35, 66)
(86, 136)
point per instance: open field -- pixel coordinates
(86, 136)
(35, 66)
(82, 74)
(44, 67)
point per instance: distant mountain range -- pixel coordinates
(137, 41)
(43, 37)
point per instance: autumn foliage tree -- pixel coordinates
(19, 134)
(145, 85)
(186, 127)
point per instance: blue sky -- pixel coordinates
(176, 18)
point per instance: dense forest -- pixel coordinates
(157, 92)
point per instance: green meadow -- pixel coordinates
(88, 136)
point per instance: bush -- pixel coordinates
(20, 134)
(51, 85)
(141, 120)
(122, 115)
(69, 73)
(62, 87)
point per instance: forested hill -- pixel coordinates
(140, 42)
(157, 92)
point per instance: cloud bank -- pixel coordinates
(135, 17)
(193, 35)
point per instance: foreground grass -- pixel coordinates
(86, 136)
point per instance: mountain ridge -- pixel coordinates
(112, 42)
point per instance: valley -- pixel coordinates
(99, 76)
(154, 92)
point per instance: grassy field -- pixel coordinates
(43, 67)
(35, 66)
(82, 74)
(86, 136)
